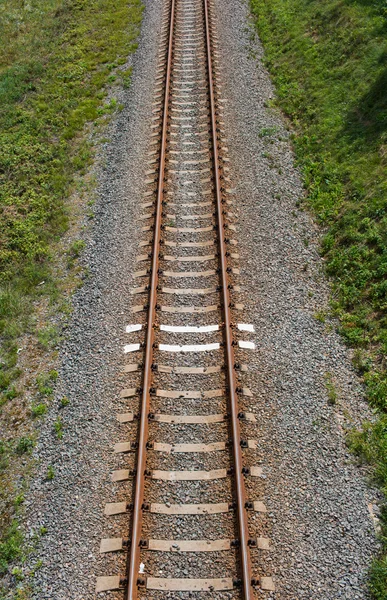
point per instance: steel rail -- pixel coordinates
(134, 553)
(233, 401)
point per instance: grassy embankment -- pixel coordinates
(57, 58)
(328, 59)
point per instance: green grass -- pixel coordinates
(11, 546)
(58, 61)
(45, 382)
(328, 60)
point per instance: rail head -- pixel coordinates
(138, 500)
(233, 399)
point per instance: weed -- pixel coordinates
(10, 546)
(50, 473)
(331, 389)
(38, 565)
(362, 361)
(75, 251)
(17, 572)
(38, 410)
(268, 131)
(23, 592)
(45, 382)
(24, 446)
(126, 77)
(320, 316)
(10, 393)
(42, 530)
(19, 499)
(48, 337)
(58, 426)
(64, 402)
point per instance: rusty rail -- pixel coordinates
(233, 400)
(134, 553)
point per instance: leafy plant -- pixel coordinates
(17, 572)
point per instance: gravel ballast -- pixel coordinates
(318, 520)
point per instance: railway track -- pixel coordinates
(188, 508)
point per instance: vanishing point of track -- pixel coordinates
(188, 460)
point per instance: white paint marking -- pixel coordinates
(189, 328)
(130, 328)
(246, 327)
(246, 345)
(131, 348)
(189, 348)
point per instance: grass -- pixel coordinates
(58, 61)
(45, 382)
(11, 546)
(328, 60)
